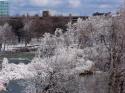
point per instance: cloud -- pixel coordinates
(74, 3)
(45, 2)
(81, 7)
(39, 2)
(56, 13)
(104, 6)
(56, 2)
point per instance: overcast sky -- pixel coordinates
(58, 7)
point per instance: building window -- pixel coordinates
(4, 8)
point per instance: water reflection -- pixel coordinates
(15, 86)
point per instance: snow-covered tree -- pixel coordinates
(86, 45)
(64, 59)
(63, 69)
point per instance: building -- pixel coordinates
(101, 14)
(4, 8)
(46, 14)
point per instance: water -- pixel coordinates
(97, 83)
(15, 87)
(21, 86)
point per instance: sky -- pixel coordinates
(63, 7)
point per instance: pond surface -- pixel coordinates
(97, 83)
(21, 86)
(15, 87)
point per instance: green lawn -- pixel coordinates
(25, 55)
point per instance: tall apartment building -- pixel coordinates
(4, 8)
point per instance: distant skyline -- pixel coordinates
(63, 7)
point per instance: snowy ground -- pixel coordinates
(18, 46)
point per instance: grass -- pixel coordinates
(25, 55)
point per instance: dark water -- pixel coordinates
(21, 86)
(15, 87)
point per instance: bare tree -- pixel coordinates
(27, 32)
(117, 52)
(7, 36)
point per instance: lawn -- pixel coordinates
(23, 55)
